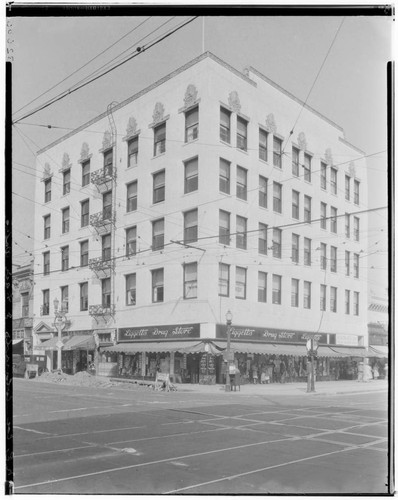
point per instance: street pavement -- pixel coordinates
(265, 439)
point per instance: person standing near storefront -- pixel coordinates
(277, 369)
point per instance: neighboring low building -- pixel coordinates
(22, 309)
(378, 322)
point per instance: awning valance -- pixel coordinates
(263, 348)
(133, 347)
(84, 342)
(355, 352)
(378, 351)
(16, 341)
(49, 345)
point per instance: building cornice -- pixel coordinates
(144, 91)
(344, 141)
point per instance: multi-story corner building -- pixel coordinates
(211, 190)
(22, 309)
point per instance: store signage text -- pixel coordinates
(160, 332)
(242, 333)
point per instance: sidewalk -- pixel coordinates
(292, 389)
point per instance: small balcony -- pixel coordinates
(99, 264)
(103, 178)
(103, 218)
(99, 310)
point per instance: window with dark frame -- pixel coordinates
(356, 265)
(307, 209)
(66, 182)
(225, 176)
(323, 175)
(106, 292)
(106, 247)
(108, 162)
(347, 225)
(262, 191)
(224, 229)
(333, 259)
(295, 205)
(277, 243)
(158, 234)
(333, 299)
(295, 248)
(323, 298)
(157, 285)
(86, 173)
(356, 192)
(84, 253)
(347, 263)
(107, 205)
(356, 303)
(130, 289)
(191, 175)
(347, 187)
(295, 161)
(307, 167)
(191, 280)
(159, 134)
(262, 238)
(241, 133)
(263, 145)
(323, 215)
(65, 298)
(333, 219)
(159, 187)
(347, 301)
(47, 190)
(46, 263)
(65, 258)
(223, 279)
(225, 125)
(46, 302)
(132, 152)
(25, 304)
(333, 180)
(277, 152)
(241, 232)
(323, 256)
(262, 287)
(131, 241)
(191, 226)
(240, 282)
(192, 124)
(356, 228)
(241, 183)
(307, 295)
(277, 190)
(132, 197)
(295, 293)
(276, 289)
(307, 252)
(65, 220)
(85, 213)
(84, 296)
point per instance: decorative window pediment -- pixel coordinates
(85, 152)
(191, 95)
(271, 123)
(158, 113)
(329, 156)
(107, 140)
(47, 174)
(302, 141)
(234, 101)
(66, 163)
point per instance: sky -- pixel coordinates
(350, 89)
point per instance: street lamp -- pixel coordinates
(59, 323)
(228, 318)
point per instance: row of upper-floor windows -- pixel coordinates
(192, 133)
(190, 290)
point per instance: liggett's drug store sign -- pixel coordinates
(273, 335)
(163, 332)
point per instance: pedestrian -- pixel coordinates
(255, 374)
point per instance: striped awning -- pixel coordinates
(264, 348)
(80, 342)
(378, 351)
(353, 352)
(133, 347)
(16, 341)
(49, 345)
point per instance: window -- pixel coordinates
(84, 253)
(323, 215)
(323, 175)
(323, 298)
(192, 124)
(46, 303)
(277, 243)
(130, 289)
(356, 228)
(106, 247)
(356, 192)
(159, 180)
(295, 248)
(295, 161)
(47, 190)
(356, 265)
(224, 228)
(223, 280)
(132, 196)
(65, 298)
(191, 280)
(66, 182)
(240, 283)
(224, 176)
(347, 225)
(333, 180)
(158, 234)
(347, 187)
(307, 295)
(46, 263)
(84, 296)
(347, 263)
(132, 152)
(307, 209)
(131, 241)
(333, 299)
(347, 302)
(323, 256)
(157, 285)
(276, 289)
(85, 212)
(241, 232)
(262, 286)
(295, 293)
(25, 304)
(262, 191)
(277, 156)
(85, 173)
(307, 252)
(295, 205)
(107, 205)
(106, 292)
(333, 259)
(191, 226)
(159, 134)
(65, 220)
(262, 238)
(356, 303)
(191, 176)
(225, 125)
(277, 197)
(108, 162)
(241, 133)
(263, 145)
(241, 183)
(333, 219)
(307, 167)
(65, 258)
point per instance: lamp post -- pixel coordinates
(59, 323)
(228, 317)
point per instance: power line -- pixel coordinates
(138, 51)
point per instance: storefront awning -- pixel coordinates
(263, 348)
(49, 345)
(16, 341)
(355, 352)
(77, 342)
(378, 351)
(133, 347)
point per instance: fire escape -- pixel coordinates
(103, 223)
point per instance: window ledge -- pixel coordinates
(157, 156)
(191, 142)
(226, 143)
(245, 151)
